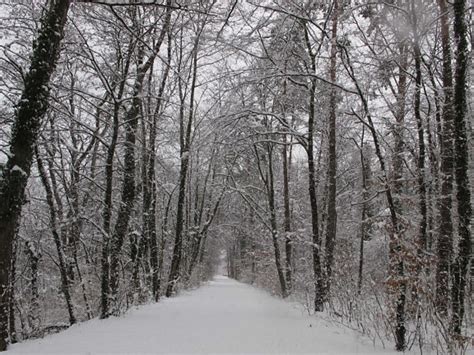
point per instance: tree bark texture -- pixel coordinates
(445, 235)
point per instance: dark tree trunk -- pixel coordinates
(268, 179)
(29, 113)
(185, 141)
(273, 223)
(312, 188)
(107, 216)
(331, 227)
(178, 243)
(34, 311)
(396, 258)
(463, 193)
(107, 211)
(318, 281)
(365, 175)
(287, 215)
(445, 236)
(128, 190)
(151, 201)
(164, 237)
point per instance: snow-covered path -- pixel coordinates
(224, 316)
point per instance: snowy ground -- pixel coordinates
(224, 316)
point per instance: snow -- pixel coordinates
(20, 170)
(224, 316)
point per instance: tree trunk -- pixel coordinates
(185, 140)
(268, 180)
(273, 222)
(463, 192)
(178, 243)
(287, 214)
(396, 253)
(128, 189)
(312, 188)
(445, 237)
(164, 235)
(331, 227)
(471, 152)
(107, 216)
(107, 211)
(34, 311)
(152, 200)
(29, 113)
(365, 174)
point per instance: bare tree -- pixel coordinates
(31, 109)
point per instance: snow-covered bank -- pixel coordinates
(224, 316)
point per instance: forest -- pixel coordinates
(323, 148)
